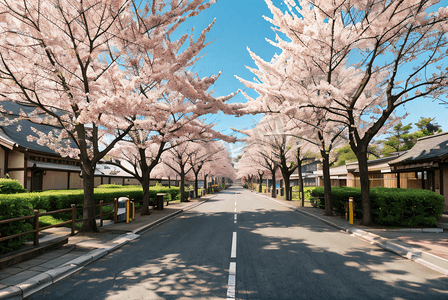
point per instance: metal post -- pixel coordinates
(133, 209)
(36, 228)
(73, 218)
(350, 210)
(127, 211)
(101, 213)
(115, 210)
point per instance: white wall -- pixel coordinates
(16, 159)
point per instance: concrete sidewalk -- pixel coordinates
(23, 279)
(426, 246)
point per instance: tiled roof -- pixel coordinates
(20, 137)
(52, 166)
(427, 148)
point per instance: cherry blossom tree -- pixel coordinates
(183, 98)
(358, 61)
(143, 149)
(221, 165)
(272, 142)
(177, 158)
(183, 154)
(254, 160)
(74, 61)
(205, 154)
(246, 170)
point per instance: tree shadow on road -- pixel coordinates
(280, 255)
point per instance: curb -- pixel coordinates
(38, 282)
(428, 260)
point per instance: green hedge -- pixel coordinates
(410, 207)
(390, 206)
(13, 209)
(306, 190)
(59, 199)
(340, 196)
(110, 186)
(9, 186)
(18, 205)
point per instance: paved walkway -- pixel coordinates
(25, 278)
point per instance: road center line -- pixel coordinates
(233, 253)
(232, 268)
(231, 283)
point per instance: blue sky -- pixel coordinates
(240, 24)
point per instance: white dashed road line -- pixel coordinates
(231, 284)
(233, 253)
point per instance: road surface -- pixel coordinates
(240, 245)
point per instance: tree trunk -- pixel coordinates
(205, 182)
(286, 186)
(88, 212)
(274, 186)
(182, 186)
(196, 185)
(260, 186)
(144, 180)
(145, 185)
(327, 183)
(299, 167)
(365, 187)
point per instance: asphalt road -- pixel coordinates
(245, 246)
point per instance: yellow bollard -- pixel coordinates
(133, 211)
(127, 211)
(350, 210)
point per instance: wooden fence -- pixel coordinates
(73, 221)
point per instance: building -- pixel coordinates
(308, 174)
(40, 168)
(338, 176)
(425, 166)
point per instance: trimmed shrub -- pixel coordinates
(405, 207)
(13, 209)
(167, 197)
(110, 186)
(306, 190)
(60, 199)
(12, 206)
(10, 186)
(390, 206)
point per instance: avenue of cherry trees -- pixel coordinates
(345, 66)
(109, 76)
